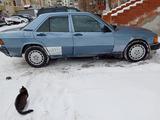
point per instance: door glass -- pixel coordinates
(55, 24)
(59, 24)
(83, 23)
(44, 27)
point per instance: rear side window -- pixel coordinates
(55, 24)
(59, 24)
(44, 27)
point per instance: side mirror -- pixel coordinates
(105, 29)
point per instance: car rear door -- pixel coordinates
(55, 34)
(89, 39)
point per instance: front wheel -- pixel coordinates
(136, 51)
(36, 56)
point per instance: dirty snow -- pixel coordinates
(154, 25)
(83, 89)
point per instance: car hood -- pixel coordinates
(135, 31)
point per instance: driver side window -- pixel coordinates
(83, 23)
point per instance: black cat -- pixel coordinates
(21, 101)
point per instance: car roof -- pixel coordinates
(64, 13)
(55, 9)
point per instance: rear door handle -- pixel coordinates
(41, 34)
(78, 34)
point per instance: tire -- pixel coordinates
(136, 51)
(36, 56)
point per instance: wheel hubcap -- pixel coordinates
(137, 52)
(36, 57)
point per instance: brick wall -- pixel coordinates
(123, 15)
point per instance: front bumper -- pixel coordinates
(155, 46)
(4, 50)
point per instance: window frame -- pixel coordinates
(101, 25)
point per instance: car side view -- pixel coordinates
(76, 34)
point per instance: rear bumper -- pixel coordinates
(155, 46)
(4, 50)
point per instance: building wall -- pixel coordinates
(94, 6)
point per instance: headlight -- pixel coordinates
(155, 41)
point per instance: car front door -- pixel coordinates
(89, 39)
(55, 34)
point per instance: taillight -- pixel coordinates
(1, 42)
(155, 41)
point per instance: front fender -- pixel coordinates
(121, 41)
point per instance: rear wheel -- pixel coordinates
(36, 56)
(136, 51)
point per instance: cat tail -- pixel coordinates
(25, 112)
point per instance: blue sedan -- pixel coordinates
(76, 34)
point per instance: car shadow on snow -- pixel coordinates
(91, 62)
(64, 65)
(19, 69)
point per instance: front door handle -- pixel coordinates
(78, 34)
(41, 34)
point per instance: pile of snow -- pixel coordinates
(154, 25)
(158, 9)
(127, 8)
(122, 5)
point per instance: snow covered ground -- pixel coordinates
(83, 89)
